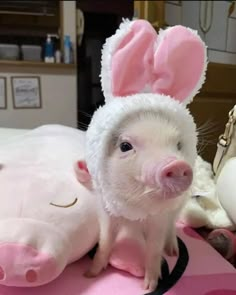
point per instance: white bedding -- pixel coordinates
(7, 133)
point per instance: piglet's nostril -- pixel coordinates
(177, 173)
(2, 274)
(169, 174)
(175, 176)
(31, 276)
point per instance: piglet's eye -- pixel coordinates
(179, 145)
(125, 147)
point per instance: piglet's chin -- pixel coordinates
(170, 194)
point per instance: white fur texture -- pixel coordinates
(161, 36)
(108, 49)
(108, 117)
(206, 209)
(113, 42)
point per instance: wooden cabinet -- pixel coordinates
(212, 105)
(29, 22)
(153, 11)
(28, 19)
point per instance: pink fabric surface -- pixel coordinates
(207, 273)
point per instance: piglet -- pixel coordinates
(141, 145)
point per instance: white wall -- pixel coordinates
(59, 103)
(220, 23)
(58, 88)
(69, 19)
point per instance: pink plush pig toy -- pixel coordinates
(47, 218)
(141, 145)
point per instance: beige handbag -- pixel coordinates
(224, 167)
(226, 147)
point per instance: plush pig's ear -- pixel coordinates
(137, 60)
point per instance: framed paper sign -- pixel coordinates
(3, 93)
(26, 92)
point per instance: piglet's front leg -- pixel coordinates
(155, 238)
(105, 245)
(171, 244)
(171, 247)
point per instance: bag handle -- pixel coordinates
(224, 140)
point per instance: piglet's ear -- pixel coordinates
(180, 62)
(81, 172)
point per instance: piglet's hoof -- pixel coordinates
(94, 271)
(150, 284)
(89, 274)
(171, 248)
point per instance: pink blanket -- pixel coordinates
(199, 270)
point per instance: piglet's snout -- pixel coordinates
(172, 176)
(175, 176)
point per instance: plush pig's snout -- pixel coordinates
(172, 176)
(28, 259)
(19, 273)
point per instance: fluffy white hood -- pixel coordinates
(105, 122)
(143, 71)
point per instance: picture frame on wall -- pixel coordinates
(26, 92)
(3, 93)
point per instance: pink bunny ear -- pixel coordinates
(126, 57)
(136, 60)
(132, 58)
(179, 64)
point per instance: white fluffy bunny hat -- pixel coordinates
(144, 71)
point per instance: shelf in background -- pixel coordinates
(22, 63)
